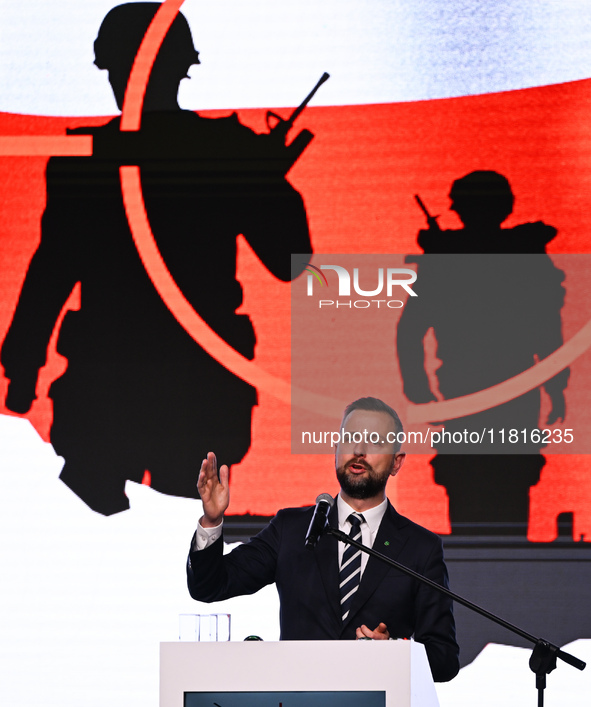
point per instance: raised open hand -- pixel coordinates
(214, 490)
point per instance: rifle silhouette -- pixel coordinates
(431, 220)
(279, 127)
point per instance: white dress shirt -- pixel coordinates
(369, 528)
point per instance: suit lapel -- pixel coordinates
(389, 541)
(326, 553)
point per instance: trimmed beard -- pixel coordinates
(362, 487)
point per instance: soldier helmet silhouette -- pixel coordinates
(482, 197)
(123, 29)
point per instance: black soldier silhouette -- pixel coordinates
(493, 299)
(132, 397)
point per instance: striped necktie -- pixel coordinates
(350, 573)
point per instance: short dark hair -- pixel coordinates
(374, 405)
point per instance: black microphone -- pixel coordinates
(319, 521)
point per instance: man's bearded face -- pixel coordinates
(359, 479)
(366, 456)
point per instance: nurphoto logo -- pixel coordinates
(394, 277)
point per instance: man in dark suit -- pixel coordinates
(373, 601)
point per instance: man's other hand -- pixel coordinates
(214, 491)
(379, 634)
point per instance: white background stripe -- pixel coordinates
(269, 53)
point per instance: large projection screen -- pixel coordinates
(149, 312)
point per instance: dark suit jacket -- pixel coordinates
(307, 582)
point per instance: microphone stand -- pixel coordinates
(543, 658)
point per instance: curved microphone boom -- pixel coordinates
(319, 521)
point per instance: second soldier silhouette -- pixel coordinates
(493, 300)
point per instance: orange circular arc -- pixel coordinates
(223, 352)
(133, 101)
(148, 251)
(507, 390)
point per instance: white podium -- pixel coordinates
(296, 674)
